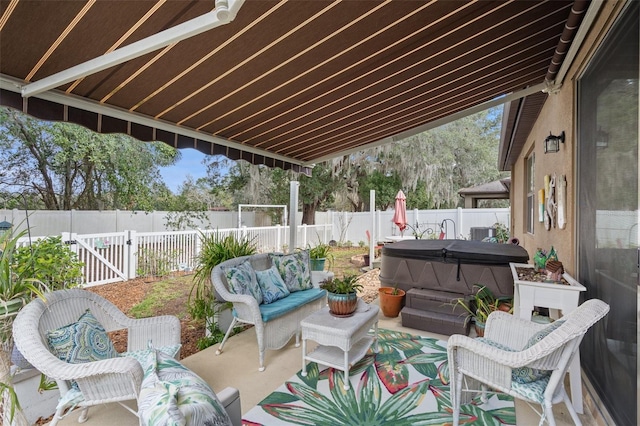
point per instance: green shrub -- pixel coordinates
(215, 249)
(50, 261)
(155, 262)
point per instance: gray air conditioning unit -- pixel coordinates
(480, 233)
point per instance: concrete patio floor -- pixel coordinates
(237, 366)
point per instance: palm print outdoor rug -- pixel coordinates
(406, 383)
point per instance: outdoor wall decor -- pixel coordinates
(562, 197)
(552, 202)
(541, 205)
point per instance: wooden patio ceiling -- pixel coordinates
(286, 83)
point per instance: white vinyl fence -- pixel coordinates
(454, 223)
(120, 256)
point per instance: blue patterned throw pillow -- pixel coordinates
(242, 280)
(543, 333)
(294, 269)
(82, 341)
(271, 284)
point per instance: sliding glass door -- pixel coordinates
(608, 228)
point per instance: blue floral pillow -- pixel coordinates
(82, 341)
(242, 280)
(543, 333)
(271, 284)
(294, 269)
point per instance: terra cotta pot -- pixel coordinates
(391, 304)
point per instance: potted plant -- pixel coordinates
(16, 290)
(318, 255)
(342, 295)
(391, 300)
(481, 304)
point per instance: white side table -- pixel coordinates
(342, 341)
(556, 297)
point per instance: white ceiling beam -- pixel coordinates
(225, 11)
(436, 123)
(13, 85)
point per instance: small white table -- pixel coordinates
(556, 297)
(342, 341)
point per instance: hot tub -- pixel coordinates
(452, 266)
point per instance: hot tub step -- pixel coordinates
(435, 301)
(436, 322)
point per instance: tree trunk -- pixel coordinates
(19, 418)
(309, 214)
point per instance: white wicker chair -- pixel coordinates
(111, 380)
(472, 359)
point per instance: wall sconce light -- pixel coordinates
(552, 143)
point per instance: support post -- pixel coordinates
(294, 186)
(373, 237)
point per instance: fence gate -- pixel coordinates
(105, 256)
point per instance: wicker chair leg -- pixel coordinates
(456, 397)
(83, 415)
(547, 414)
(56, 417)
(298, 339)
(226, 336)
(570, 408)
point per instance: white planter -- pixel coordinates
(34, 404)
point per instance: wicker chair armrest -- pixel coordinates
(107, 379)
(484, 350)
(538, 356)
(162, 330)
(246, 306)
(60, 370)
(479, 360)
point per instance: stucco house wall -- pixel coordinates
(558, 114)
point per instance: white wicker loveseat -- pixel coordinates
(275, 323)
(521, 358)
(115, 379)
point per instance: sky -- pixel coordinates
(189, 164)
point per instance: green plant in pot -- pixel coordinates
(215, 249)
(16, 290)
(391, 300)
(320, 254)
(481, 304)
(342, 294)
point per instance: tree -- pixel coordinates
(71, 167)
(316, 190)
(189, 206)
(430, 167)
(459, 154)
(386, 186)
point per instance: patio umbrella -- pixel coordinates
(400, 216)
